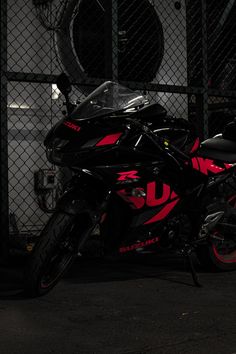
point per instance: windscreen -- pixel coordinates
(108, 98)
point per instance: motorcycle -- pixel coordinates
(142, 179)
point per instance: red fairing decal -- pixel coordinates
(135, 202)
(195, 145)
(124, 176)
(151, 201)
(163, 213)
(206, 165)
(109, 139)
(72, 126)
(135, 246)
(151, 195)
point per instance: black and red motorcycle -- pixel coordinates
(142, 179)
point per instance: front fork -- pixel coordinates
(95, 218)
(88, 197)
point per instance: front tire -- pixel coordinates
(52, 256)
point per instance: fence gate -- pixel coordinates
(179, 53)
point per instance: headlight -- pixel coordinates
(54, 153)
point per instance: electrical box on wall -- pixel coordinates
(45, 180)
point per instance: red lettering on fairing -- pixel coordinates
(124, 176)
(151, 194)
(72, 126)
(206, 165)
(137, 245)
(109, 139)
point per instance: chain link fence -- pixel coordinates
(179, 53)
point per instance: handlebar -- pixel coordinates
(162, 144)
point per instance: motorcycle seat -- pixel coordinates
(218, 149)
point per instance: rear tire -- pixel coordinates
(52, 255)
(220, 252)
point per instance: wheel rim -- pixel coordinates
(58, 263)
(224, 244)
(227, 258)
(50, 277)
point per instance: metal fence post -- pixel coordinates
(111, 40)
(202, 100)
(4, 238)
(197, 61)
(115, 34)
(205, 69)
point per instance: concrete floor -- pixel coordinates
(141, 306)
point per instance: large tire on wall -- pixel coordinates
(52, 256)
(84, 41)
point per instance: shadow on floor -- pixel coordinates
(84, 270)
(139, 267)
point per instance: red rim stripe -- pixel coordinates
(222, 258)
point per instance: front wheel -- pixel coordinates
(53, 254)
(220, 252)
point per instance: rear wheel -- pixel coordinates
(53, 254)
(220, 252)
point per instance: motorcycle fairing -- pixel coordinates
(209, 166)
(157, 199)
(110, 139)
(195, 146)
(71, 125)
(155, 214)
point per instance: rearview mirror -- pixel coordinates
(63, 84)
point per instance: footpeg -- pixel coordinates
(209, 224)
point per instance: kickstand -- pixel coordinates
(192, 269)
